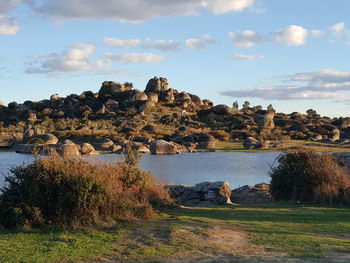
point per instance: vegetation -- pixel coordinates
(307, 176)
(241, 233)
(57, 191)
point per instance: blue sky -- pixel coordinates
(293, 53)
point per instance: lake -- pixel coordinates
(238, 168)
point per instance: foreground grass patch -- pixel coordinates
(275, 230)
(295, 231)
(55, 245)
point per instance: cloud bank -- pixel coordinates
(323, 84)
(133, 10)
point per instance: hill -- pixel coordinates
(119, 114)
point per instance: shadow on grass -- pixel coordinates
(282, 213)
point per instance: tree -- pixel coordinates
(235, 105)
(311, 112)
(258, 107)
(246, 105)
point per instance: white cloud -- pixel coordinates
(246, 39)
(200, 43)
(147, 43)
(124, 43)
(247, 57)
(163, 45)
(135, 57)
(338, 28)
(74, 59)
(224, 6)
(323, 84)
(8, 26)
(317, 33)
(292, 35)
(133, 10)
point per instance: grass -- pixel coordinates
(230, 146)
(273, 230)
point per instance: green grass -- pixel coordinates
(297, 231)
(280, 229)
(230, 146)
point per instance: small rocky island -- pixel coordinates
(160, 120)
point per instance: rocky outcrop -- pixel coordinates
(202, 194)
(157, 85)
(55, 97)
(69, 150)
(249, 195)
(161, 147)
(45, 139)
(251, 143)
(7, 141)
(88, 149)
(266, 122)
(205, 141)
(112, 88)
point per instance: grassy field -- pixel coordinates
(230, 146)
(243, 233)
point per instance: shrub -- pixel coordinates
(220, 135)
(307, 176)
(73, 192)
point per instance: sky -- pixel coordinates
(293, 54)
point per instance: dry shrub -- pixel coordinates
(220, 135)
(73, 192)
(308, 176)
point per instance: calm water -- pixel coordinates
(187, 168)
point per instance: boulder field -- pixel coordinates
(158, 119)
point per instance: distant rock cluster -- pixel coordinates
(219, 193)
(159, 119)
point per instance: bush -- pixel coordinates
(72, 192)
(307, 176)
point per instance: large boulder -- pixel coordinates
(258, 194)
(2, 104)
(46, 139)
(157, 85)
(251, 143)
(68, 150)
(266, 122)
(167, 96)
(153, 97)
(140, 147)
(221, 110)
(112, 88)
(202, 194)
(88, 149)
(334, 134)
(55, 97)
(138, 95)
(161, 147)
(205, 140)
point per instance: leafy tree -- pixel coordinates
(258, 107)
(311, 112)
(246, 105)
(235, 105)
